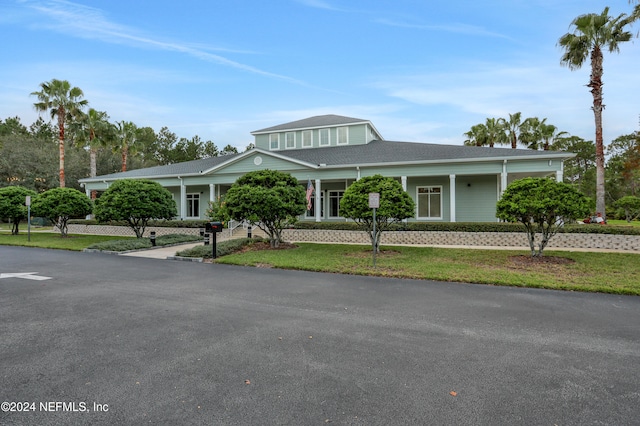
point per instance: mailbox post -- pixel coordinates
(213, 228)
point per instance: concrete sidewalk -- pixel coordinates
(161, 252)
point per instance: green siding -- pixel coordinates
(539, 165)
(476, 198)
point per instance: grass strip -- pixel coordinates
(578, 271)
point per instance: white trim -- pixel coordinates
(503, 178)
(452, 198)
(447, 160)
(183, 198)
(319, 200)
(256, 151)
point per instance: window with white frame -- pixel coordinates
(325, 139)
(342, 135)
(307, 139)
(274, 141)
(290, 140)
(429, 200)
(193, 205)
(312, 213)
(334, 203)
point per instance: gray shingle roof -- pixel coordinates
(375, 152)
(177, 169)
(313, 122)
(382, 151)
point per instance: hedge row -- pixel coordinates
(472, 227)
(155, 223)
(410, 226)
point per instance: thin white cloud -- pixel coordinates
(88, 22)
(317, 4)
(457, 28)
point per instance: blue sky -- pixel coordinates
(421, 71)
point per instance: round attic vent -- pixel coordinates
(257, 161)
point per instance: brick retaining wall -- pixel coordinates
(498, 239)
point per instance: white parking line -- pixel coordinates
(25, 275)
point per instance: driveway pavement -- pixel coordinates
(100, 339)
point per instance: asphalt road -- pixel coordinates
(119, 340)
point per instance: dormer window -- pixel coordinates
(290, 140)
(342, 135)
(274, 141)
(307, 139)
(325, 140)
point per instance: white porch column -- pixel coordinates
(503, 177)
(212, 192)
(560, 173)
(452, 198)
(318, 201)
(403, 180)
(183, 198)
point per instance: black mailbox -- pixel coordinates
(213, 227)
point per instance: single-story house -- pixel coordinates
(449, 183)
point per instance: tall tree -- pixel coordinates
(94, 131)
(125, 140)
(229, 149)
(591, 34)
(62, 101)
(477, 136)
(550, 135)
(495, 132)
(512, 128)
(532, 132)
(623, 166)
(579, 170)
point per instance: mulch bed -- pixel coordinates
(265, 245)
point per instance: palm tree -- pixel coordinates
(126, 137)
(593, 32)
(550, 135)
(531, 132)
(62, 101)
(495, 132)
(93, 130)
(477, 136)
(512, 128)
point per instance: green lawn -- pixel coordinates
(634, 223)
(597, 272)
(53, 240)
